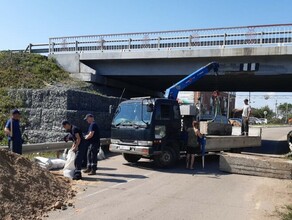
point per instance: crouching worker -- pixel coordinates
(78, 146)
(193, 146)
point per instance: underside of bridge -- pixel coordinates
(279, 83)
(274, 73)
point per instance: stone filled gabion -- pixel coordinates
(44, 110)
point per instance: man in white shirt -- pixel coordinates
(246, 110)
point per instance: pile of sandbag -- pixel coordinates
(50, 164)
(66, 162)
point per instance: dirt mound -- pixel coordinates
(26, 190)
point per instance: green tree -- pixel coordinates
(259, 112)
(285, 110)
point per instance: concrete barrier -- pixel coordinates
(256, 165)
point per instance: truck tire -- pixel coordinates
(165, 159)
(289, 140)
(132, 158)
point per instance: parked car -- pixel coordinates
(254, 121)
(264, 120)
(235, 122)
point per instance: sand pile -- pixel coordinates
(28, 191)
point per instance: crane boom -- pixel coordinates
(172, 92)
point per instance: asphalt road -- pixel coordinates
(126, 191)
(274, 140)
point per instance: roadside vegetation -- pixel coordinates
(285, 213)
(284, 113)
(27, 71)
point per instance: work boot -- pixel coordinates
(88, 170)
(77, 176)
(92, 172)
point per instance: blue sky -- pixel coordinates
(34, 21)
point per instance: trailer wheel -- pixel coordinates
(132, 158)
(165, 159)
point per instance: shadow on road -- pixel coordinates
(270, 147)
(106, 168)
(211, 167)
(130, 176)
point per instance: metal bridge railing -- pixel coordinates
(250, 36)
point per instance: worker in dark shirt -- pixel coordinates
(12, 130)
(93, 139)
(78, 146)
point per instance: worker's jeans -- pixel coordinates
(244, 126)
(92, 152)
(79, 156)
(15, 145)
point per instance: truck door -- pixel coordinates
(167, 114)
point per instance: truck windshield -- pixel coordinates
(130, 114)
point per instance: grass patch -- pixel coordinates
(28, 71)
(34, 71)
(286, 213)
(49, 154)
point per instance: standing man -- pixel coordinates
(246, 110)
(193, 146)
(93, 139)
(12, 130)
(78, 146)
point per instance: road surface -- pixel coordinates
(121, 190)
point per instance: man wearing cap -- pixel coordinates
(93, 139)
(78, 146)
(12, 130)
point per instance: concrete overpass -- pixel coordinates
(253, 58)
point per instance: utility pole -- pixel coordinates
(276, 109)
(228, 104)
(286, 112)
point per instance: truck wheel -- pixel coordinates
(165, 159)
(289, 140)
(132, 158)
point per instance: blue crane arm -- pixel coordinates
(172, 92)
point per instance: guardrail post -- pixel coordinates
(76, 46)
(190, 40)
(101, 44)
(224, 40)
(129, 43)
(262, 36)
(50, 46)
(158, 42)
(29, 48)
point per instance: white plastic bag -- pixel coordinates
(100, 155)
(69, 167)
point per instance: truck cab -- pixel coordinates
(148, 128)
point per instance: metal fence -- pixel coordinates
(247, 36)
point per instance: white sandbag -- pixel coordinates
(69, 166)
(43, 162)
(57, 163)
(68, 173)
(100, 155)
